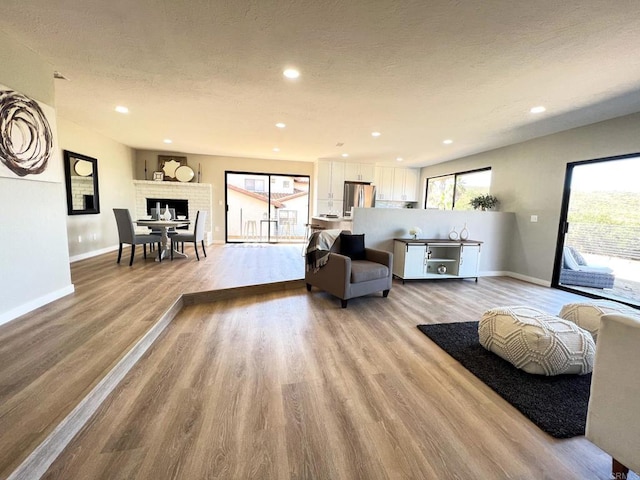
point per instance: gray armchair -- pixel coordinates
(126, 234)
(346, 278)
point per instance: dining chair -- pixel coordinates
(126, 234)
(196, 236)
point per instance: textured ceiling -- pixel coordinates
(208, 74)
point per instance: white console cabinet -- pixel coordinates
(435, 258)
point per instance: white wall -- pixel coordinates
(528, 179)
(34, 265)
(382, 225)
(93, 234)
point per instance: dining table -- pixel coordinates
(164, 226)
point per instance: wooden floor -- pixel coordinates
(51, 358)
(282, 385)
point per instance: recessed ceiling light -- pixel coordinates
(276, 149)
(291, 73)
(121, 109)
(167, 140)
(375, 134)
(399, 159)
(448, 141)
(345, 155)
(280, 125)
(538, 109)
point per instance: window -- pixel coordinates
(440, 192)
(455, 191)
(254, 185)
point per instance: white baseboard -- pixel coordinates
(526, 278)
(493, 273)
(517, 276)
(37, 303)
(93, 253)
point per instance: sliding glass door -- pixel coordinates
(266, 208)
(599, 241)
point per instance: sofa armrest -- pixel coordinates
(379, 256)
(613, 423)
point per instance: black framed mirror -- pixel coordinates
(81, 174)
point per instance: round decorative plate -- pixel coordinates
(184, 173)
(83, 168)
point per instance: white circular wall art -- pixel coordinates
(184, 173)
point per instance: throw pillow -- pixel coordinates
(352, 245)
(578, 256)
(569, 260)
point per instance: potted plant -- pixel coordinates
(484, 202)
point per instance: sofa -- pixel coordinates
(576, 271)
(613, 420)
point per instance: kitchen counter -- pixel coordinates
(343, 223)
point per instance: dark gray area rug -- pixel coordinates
(558, 404)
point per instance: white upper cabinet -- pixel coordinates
(330, 184)
(405, 184)
(359, 172)
(337, 180)
(384, 183)
(323, 182)
(412, 184)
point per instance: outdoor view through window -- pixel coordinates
(441, 191)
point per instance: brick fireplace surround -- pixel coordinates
(199, 196)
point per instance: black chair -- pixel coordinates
(196, 236)
(127, 234)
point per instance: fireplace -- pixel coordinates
(181, 207)
(195, 196)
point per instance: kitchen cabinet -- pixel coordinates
(384, 183)
(435, 258)
(329, 187)
(405, 184)
(359, 172)
(330, 182)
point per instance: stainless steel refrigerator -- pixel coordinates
(358, 194)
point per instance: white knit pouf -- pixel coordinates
(587, 314)
(537, 342)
